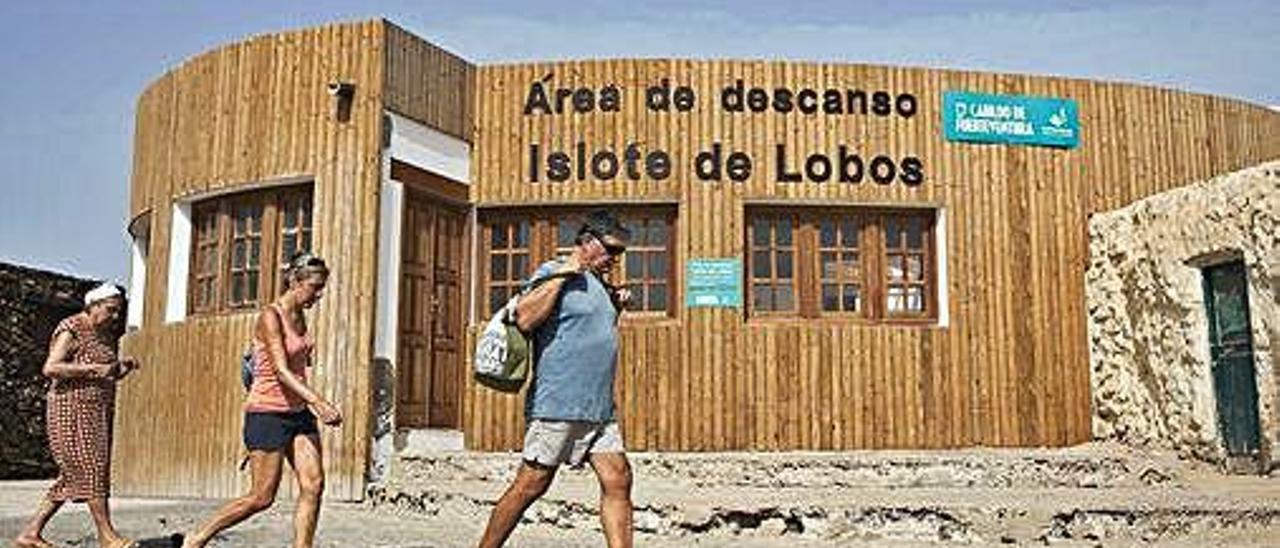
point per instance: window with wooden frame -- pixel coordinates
(517, 240)
(230, 267)
(204, 258)
(773, 250)
(840, 264)
(508, 251)
(646, 267)
(863, 264)
(295, 225)
(908, 260)
(246, 251)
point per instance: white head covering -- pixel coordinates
(104, 291)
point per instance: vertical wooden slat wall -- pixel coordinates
(428, 84)
(247, 113)
(1011, 366)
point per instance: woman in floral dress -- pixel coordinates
(84, 367)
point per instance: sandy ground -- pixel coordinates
(352, 525)
(152, 521)
(1092, 496)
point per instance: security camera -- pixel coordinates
(342, 90)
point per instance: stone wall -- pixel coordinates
(32, 302)
(1148, 327)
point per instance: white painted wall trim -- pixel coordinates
(386, 322)
(390, 216)
(424, 148)
(415, 143)
(175, 307)
(138, 279)
(940, 244)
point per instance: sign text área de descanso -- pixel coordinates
(716, 161)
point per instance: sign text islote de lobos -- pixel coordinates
(716, 162)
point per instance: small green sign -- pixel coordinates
(1012, 119)
(713, 283)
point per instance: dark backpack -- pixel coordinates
(246, 367)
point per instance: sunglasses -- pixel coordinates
(306, 259)
(613, 250)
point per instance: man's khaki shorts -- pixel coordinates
(552, 443)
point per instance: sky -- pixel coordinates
(76, 69)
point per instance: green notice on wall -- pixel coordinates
(1013, 119)
(713, 283)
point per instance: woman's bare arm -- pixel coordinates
(56, 365)
(271, 331)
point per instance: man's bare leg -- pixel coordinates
(614, 472)
(532, 481)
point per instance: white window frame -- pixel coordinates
(140, 236)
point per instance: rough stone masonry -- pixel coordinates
(32, 302)
(1148, 326)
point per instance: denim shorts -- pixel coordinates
(272, 431)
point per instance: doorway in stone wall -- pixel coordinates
(1231, 351)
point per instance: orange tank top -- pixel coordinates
(267, 394)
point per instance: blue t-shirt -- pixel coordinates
(575, 353)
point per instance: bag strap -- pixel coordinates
(280, 317)
(529, 287)
(510, 308)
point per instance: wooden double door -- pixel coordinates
(429, 369)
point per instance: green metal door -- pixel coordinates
(1231, 348)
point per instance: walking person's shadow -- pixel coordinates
(167, 541)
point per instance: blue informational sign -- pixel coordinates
(1016, 119)
(713, 282)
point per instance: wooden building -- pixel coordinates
(817, 265)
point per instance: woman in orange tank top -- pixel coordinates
(281, 409)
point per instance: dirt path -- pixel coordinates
(1083, 496)
(341, 524)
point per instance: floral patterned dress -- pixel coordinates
(79, 417)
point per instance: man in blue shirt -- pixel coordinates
(569, 403)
